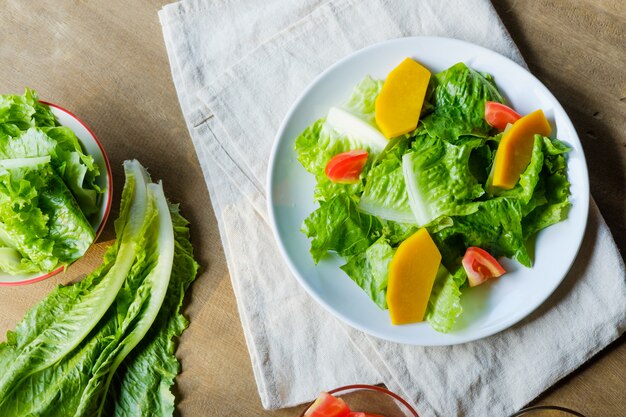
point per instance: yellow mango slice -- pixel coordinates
(516, 147)
(400, 101)
(412, 272)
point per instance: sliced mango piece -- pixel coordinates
(412, 272)
(400, 100)
(516, 147)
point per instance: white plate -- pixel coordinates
(488, 308)
(93, 147)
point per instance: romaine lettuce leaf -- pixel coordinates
(142, 384)
(396, 232)
(550, 203)
(338, 226)
(78, 169)
(438, 179)
(459, 103)
(24, 225)
(68, 228)
(363, 99)
(385, 194)
(369, 270)
(495, 226)
(444, 304)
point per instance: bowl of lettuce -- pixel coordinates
(338, 239)
(55, 188)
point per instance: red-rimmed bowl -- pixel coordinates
(93, 147)
(372, 400)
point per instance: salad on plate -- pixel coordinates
(424, 181)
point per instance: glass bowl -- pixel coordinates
(373, 400)
(547, 411)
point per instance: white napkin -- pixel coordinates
(296, 348)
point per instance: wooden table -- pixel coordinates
(106, 62)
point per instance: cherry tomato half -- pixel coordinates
(498, 115)
(480, 266)
(327, 406)
(346, 167)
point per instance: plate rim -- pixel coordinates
(107, 203)
(505, 324)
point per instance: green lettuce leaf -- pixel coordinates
(495, 226)
(363, 99)
(444, 304)
(369, 270)
(396, 232)
(385, 194)
(78, 169)
(338, 226)
(68, 228)
(550, 202)
(141, 386)
(459, 100)
(438, 179)
(23, 225)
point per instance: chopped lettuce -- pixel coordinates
(550, 202)
(368, 270)
(459, 100)
(444, 304)
(438, 179)
(495, 226)
(363, 99)
(338, 226)
(385, 194)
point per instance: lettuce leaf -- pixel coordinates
(550, 202)
(444, 304)
(495, 226)
(78, 169)
(369, 270)
(385, 194)
(362, 102)
(459, 98)
(141, 386)
(338, 226)
(438, 179)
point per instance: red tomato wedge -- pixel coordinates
(327, 406)
(480, 266)
(498, 115)
(346, 167)
(362, 414)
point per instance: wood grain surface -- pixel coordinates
(106, 62)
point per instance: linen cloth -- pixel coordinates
(238, 65)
